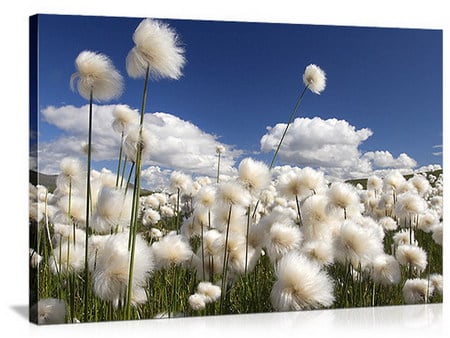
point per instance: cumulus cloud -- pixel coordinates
(330, 145)
(384, 159)
(180, 145)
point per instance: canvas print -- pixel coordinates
(183, 168)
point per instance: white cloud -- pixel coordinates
(330, 145)
(180, 144)
(384, 159)
(437, 153)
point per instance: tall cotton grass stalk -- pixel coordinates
(96, 79)
(157, 53)
(219, 150)
(314, 79)
(123, 116)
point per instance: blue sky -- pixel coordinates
(241, 78)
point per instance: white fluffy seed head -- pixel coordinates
(232, 193)
(388, 223)
(210, 291)
(96, 73)
(123, 116)
(157, 47)
(197, 301)
(417, 291)
(49, 311)
(181, 181)
(314, 77)
(413, 255)
(409, 204)
(300, 285)
(374, 183)
(113, 210)
(130, 146)
(386, 270)
(111, 273)
(282, 238)
(255, 175)
(171, 249)
(342, 195)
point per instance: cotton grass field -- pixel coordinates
(271, 238)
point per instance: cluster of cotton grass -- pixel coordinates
(268, 239)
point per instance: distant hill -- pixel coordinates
(49, 181)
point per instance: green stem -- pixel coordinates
(137, 188)
(88, 193)
(225, 261)
(291, 118)
(120, 160)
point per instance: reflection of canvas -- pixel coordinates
(195, 209)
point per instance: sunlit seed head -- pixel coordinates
(232, 193)
(96, 73)
(437, 281)
(111, 274)
(282, 238)
(437, 234)
(404, 236)
(147, 143)
(314, 77)
(157, 46)
(150, 217)
(171, 249)
(220, 149)
(49, 311)
(342, 195)
(374, 183)
(206, 197)
(210, 291)
(319, 251)
(113, 210)
(123, 116)
(197, 301)
(180, 181)
(416, 291)
(388, 223)
(300, 285)
(255, 175)
(386, 270)
(393, 180)
(409, 204)
(413, 255)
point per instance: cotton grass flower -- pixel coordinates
(147, 142)
(197, 302)
(110, 278)
(386, 270)
(150, 217)
(123, 116)
(388, 223)
(96, 74)
(437, 234)
(412, 255)
(35, 258)
(356, 245)
(417, 291)
(282, 238)
(409, 204)
(437, 282)
(210, 291)
(49, 311)
(300, 285)
(253, 174)
(232, 193)
(171, 249)
(157, 46)
(314, 78)
(113, 210)
(404, 237)
(343, 195)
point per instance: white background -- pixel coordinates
(410, 321)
